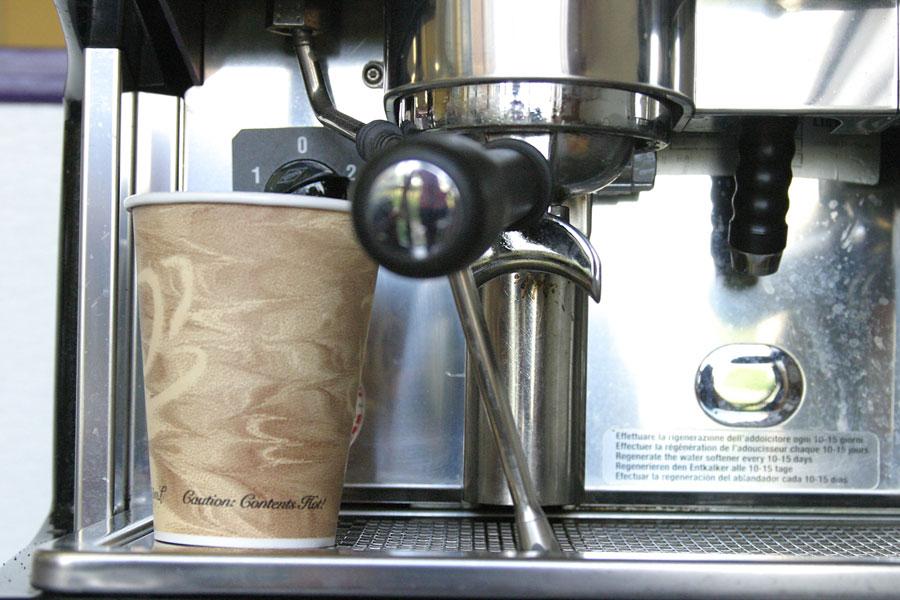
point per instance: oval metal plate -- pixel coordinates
(749, 385)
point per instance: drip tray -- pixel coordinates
(730, 537)
(441, 554)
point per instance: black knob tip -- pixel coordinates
(758, 231)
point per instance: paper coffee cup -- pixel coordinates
(253, 316)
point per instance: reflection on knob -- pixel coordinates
(432, 204)
(413, 209)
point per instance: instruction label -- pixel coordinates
(743, 460)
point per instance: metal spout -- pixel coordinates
(552, 246)
(758, 265)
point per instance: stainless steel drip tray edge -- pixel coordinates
(384, 555)
(447, 577)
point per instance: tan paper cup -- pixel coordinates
(253, 316)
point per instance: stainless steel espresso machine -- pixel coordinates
(711, 414)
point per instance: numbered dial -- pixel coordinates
(300, 160)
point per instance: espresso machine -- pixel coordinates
(710, 414)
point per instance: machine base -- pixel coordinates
(453, 554)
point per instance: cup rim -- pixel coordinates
(246, 198)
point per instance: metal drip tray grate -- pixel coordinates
(435, 535)
(732, 537)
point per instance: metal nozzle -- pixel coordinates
(758, 265)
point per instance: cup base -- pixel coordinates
(215, 541)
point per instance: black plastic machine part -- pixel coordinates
(161, 40)
(504, 184)
(376, 137)
(760, 203)
(308, 178)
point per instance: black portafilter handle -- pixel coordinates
(431, 204)
(757, 233)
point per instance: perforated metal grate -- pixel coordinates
(444, 535)
(731, 537)
(580, 535)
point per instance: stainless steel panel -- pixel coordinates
(782, 55)
(414, 379)
(429, 554)
(98, 281)
(832, 306)
(157, 153)
(252, 80)
(131, 146)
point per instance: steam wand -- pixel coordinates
(532, 526)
